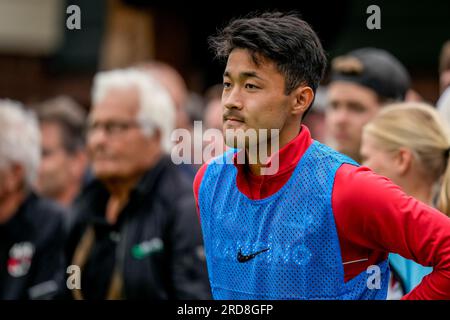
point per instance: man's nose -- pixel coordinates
(340, 116)
(96, 137)
(232, 99)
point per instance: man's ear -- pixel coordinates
(156, 139)
(302, 98)
(403, 161)
(157, 134)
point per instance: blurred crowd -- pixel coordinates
(93, 207)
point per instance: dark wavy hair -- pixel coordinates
(284, 38)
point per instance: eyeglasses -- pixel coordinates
(111, 127)
(48, 152)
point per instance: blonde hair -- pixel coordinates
(417, 126)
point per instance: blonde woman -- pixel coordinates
(407, 143)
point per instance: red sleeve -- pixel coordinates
(197, 182)
(373, 213)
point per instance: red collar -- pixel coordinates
(289, 155)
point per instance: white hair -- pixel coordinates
(20, 139)
(156, 106)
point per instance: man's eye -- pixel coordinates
(357, 108)
(115, 127)
(251, 86)
(91, 127)
(226, 85)
(333, 106)
(46, 152)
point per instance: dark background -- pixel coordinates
(412, 31)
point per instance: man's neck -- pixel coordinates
(119, 190)
(256, 163)
(67, 196)
(9, 204)
(120, 187)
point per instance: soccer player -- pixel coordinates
(321, 227)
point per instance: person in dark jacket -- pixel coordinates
(31, 228)
(136, 234)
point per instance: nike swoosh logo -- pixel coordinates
(244, 258)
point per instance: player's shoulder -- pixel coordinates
(217, 162)
(354, 183)
(329, 154)
(357, 174)
(199, 176)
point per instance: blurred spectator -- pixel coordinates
(62, 172)
(443, 106)
(137, 234)
(195, 106)
(184, 102)
(413, 96)
(213, 144)
(361, 82)
(213, 115)
(443, 103)
(444, 67)
(176, 87)
(31, 228)
(315, 119)
(407, 143)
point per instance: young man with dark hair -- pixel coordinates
(361, 82)
(321, 227)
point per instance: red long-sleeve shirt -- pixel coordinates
(373, 217)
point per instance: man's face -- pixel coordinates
(55, 170)
(350, 107)
(12, 177)
(253, 95)
(116, 145)
(5, 190)
(444, 80)
(3, 183)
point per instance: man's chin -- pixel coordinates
(105, 175)
(234, 141)
(49, 191)
(341, 147)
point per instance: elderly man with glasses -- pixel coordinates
(136, 234)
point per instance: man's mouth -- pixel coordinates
(341, 136)
(233, 119)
